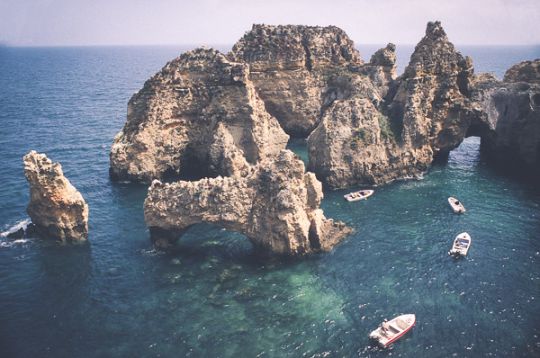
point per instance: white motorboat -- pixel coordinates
(461, 245)
(390, 331)
(456, 205)
(358, 195)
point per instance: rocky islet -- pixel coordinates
(56, 208)
(230, 113)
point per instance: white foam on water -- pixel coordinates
(13, 243)
(151, 252)
(20, 225)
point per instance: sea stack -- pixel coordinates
(200, 116)
(426, 111)
(290, 66)
(56, 208)
(276, 205)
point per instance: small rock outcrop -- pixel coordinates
(275, 205)
(290, 66)
(56, 208)
(381, 68)
(526, 71)
(199, 116)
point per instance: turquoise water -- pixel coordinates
(212, 297)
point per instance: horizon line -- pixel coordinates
(195, 45)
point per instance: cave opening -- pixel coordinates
(192, 168)
(207, 239)
(477, 140)
(467, 154)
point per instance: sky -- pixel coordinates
(211, 22)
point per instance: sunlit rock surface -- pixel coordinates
(56, 208)
(199, 116)
(290, 66)
(276, 205)
(364, 141)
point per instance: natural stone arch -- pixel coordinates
(276, 206)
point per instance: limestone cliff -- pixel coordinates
(56, 208)
(511, 110)
(381, 68)
(276, 205)
(206, 114)
(199, 116)
(424, 112)
(289, 66)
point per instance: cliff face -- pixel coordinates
(276, 205)
(511, 109)
(199, 113)
(56, 208)
(289, 66)
(425, 111)
(206, 115)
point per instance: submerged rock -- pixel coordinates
(289, 67)
(199, 116)
(56, 208)
(276, 205)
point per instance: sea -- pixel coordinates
(212, 296)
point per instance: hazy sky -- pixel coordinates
(138, 22)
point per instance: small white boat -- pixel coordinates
(390, 331)
(358, 195)
(461, 245)
(456, 205)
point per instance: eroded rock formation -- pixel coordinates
(199, 116)
(276, 205)
(424, 112)
(56, 208)
(526, 71)
(511, 110)
(365, 126)
(289, 67)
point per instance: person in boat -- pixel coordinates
(457, 202)
(384, 326)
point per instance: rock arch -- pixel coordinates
(425, 113)
(276, 206)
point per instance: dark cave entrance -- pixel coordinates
(192, 168)
(476, 141)
(207, 239)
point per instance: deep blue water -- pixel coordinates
(212, 297)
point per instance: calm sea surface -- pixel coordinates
(212, 297)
